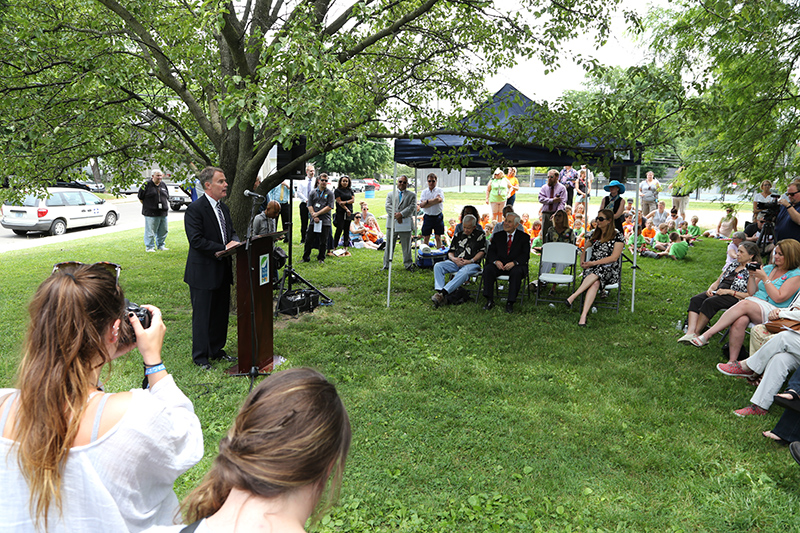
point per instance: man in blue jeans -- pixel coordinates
(155, 206)
(463, 260)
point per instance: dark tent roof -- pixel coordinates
(501, 112)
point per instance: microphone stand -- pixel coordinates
(254, 371)
(290, 275)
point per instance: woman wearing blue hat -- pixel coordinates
(614, 202)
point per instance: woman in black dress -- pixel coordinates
(604, 268)
(344, 212)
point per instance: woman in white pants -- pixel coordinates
(775, 360)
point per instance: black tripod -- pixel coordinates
(254, 371)
(766, 237)
(289, 274)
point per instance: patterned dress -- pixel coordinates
(608, 273)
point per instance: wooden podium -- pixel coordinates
(253, 271)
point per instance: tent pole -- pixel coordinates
(390, 233)
(635, 235)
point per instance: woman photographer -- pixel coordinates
(78, 459)
(291, 437)
(777, 285)
(732, 286)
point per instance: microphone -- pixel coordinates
(251, 194)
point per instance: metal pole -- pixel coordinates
(390, 234)
(635, 236)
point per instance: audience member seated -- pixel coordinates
(648, 232)
(469, 210)
(507, 255)
(677, 248)
(777, 285)
(581, 242)
(787, 429)
(76, 458)
(674, 217)
(733, 248)
(489, 230)
(463, 260)
(753, 232)
(637, 243)
(527, 224)
(693, 229)
(558, 232)
(280, 463)
(359, 235)
(484, 220)
(604, 268)
(499, 227)
(627, 226)
(732, 286)
(451, 227)
(774, 361)
(577, 227)
(660, 215)
(536, 228)
(726, 226)
(661, 240)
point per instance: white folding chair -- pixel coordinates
(557, 253)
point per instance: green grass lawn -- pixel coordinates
(465, 420)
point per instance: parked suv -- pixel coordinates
(62, 209)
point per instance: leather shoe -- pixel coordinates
(509, 307)
(226, 357)
(489, 305)
(204, 366)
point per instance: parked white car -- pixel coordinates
(64, 208)
(177, 198)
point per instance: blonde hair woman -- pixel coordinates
(497, 194)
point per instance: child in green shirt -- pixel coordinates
(677, 247)
(693, 229)
(661, 240)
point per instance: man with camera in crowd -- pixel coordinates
(787, 222)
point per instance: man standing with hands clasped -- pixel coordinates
(508, 255)
(155, 206)
(209, 229)
(552, 196)
(400, 228)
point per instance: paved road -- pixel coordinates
(130, 217)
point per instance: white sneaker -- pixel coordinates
(150, 250)
(163, 248)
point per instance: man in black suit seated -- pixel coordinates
(508, 255)
(209, 229)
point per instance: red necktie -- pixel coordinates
(508, 249)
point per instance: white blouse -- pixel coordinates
(123, 481)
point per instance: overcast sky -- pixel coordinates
(620, 50)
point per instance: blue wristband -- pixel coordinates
(154, 369)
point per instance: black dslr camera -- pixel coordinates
(753, 266)
(126, 333)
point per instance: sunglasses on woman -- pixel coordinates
(601, 219)
(69, 266)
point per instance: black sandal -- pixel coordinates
(793, 404)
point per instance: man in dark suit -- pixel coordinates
(209, 229)
(508, 255)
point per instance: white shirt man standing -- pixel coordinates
(431, 203)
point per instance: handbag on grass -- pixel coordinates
(776, 326)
